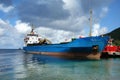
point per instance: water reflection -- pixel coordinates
(16, 65)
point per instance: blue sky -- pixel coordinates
(55, 19)
(112, 18)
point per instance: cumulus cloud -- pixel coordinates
(60, 14)
(10, 37)
(56, 35)
(22, 27)
(1, 31)
(74, 7)
(98, 30)
(6, 9)
(75, 25)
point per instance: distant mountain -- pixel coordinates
(115, 34)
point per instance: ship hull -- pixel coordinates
(90, 48)
(94, 56)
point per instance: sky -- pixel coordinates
(56, 20)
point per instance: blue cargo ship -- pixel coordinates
(87, 47)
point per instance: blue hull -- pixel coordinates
(81, 45)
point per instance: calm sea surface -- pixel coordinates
(17, 65)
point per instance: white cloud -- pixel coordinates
(73, 6)
(97, 30)
(10, 37)
(22, 27)
(2, 22)
(3, 25)
(6, 9)
(76, 13)
(71, 24)
(57, 36)
(54, 35)
(104, 11)
(103, 30)
(1, 31)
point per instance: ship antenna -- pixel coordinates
(90, 20)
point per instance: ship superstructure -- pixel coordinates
(34, 39)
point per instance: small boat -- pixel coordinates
(111, 51)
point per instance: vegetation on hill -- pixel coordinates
(115, 34)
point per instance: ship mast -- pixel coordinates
(90, 20)
(32, 31)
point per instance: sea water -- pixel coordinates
(17, 65)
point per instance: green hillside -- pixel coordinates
(115, 34)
